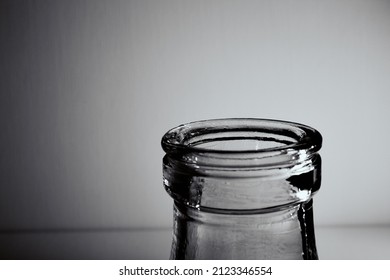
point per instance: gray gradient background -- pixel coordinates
(87, 89)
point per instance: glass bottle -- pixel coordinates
(242, 188)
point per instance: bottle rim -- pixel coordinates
(204, 168)
(291, 136)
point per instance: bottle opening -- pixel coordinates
(243, 139)
(241, 164)
(226, 141)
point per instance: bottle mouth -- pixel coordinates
(264, 141)
(242, 164)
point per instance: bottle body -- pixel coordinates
(242, 189)
(284, 234)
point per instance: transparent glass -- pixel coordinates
(242, 188)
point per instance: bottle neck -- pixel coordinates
(242, 188)
(283, 234)
(239, 188)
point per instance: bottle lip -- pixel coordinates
(291, 137)
(242, 164)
